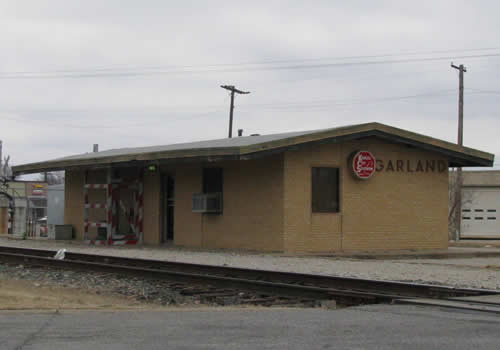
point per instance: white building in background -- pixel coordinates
(481, 205)
(55, 204)
(55, 209)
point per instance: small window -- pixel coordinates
(325, 190)
(478, 218)
(491, 218)
(466, 210)
(492, 210)
(478, 210)
(212, 180)
(466, 217)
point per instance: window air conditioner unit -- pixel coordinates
(207, 203)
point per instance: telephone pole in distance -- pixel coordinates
(231, 108)
(459, 181)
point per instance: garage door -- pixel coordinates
(480, 210)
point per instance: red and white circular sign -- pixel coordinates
(363, 164)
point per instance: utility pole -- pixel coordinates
(461, 70)
(459, 181)
(231, 108)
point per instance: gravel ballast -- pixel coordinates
(139, 289)
(464, 273)
(143, 290)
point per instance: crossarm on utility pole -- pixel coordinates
(231, 108)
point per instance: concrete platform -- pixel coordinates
(476, 243)
(460, 249)
(450, 253)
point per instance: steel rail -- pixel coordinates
(272, 288)
(273, 282)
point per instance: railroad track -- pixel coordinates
(266, 286)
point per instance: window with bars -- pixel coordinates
(210, 201)
(212, 180)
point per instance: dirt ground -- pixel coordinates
(26, 295)
(17, 295)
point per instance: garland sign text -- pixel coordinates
(410, 166)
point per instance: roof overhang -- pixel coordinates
(456, 155)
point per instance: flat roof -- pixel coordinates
(481, 178)
(247, 147)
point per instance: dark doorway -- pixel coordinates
(168, 204)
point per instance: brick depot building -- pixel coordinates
(361, 187)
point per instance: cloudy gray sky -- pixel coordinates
(136, 73)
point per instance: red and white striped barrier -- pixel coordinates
(95, 224)
(95, 206)
(85, 211)
(139, 207)
(96, 186)
(113, 242)
(113, 201)
(129, 219)
(95, 242)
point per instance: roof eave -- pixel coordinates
(139, 159)
(457, 155)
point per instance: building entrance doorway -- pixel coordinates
(168, 205)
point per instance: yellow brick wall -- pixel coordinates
(187, 225)
(267, 203)
(392, 210)
(253, 206)
(303, 230)
(73, 201)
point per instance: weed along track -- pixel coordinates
(223, 285)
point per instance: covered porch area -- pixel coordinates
(106, 206)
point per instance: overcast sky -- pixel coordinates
(125, 73)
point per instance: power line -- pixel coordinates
(284, 105)
(264, 62)
(479, 91)
(7, 76)
(277, 103)
(349, 101)
(160, 111)
(115, 126)
(325, 102)
(411, 53)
